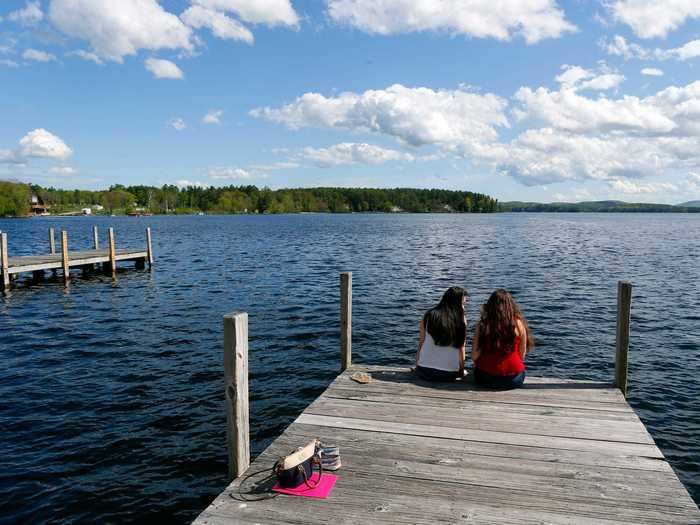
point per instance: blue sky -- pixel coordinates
(539, 100)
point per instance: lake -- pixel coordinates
(111, 393)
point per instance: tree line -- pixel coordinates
(249, 199)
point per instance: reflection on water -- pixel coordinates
(111, 393)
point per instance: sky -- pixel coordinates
(533, 100)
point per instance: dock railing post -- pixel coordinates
(236, 376)
(149, 247)
(64, 256)
(112, 251)
(345, 320)
(52, 241)
(95, 238)
(624, 303)
(4, 262)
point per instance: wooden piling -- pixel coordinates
(64, 256)
(4, 262)
(624, 303)
(112, 251)
(52, 241)
(149, 247)
(95, 238)
(236, 377)
(345, 320)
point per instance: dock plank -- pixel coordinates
(30, 263)
(558, 451)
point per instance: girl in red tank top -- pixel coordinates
(501, 341)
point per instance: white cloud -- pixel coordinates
(38, 143)
(619, 46)
(455, 119)
(38, 56)
(565, 134)
(117, 29)
(576, 77)
(352, 153)
(8, 63)
(570, 111)
(224, 173)
(533, 20)
(269, 12)
(213, 117)
(220, 25)
(654, 18)
(163, 68)
(652, 72)
(42, 143)
(85, 55)
(177, 124)
(29, 15)
(685, 52)
(190, 184)
(274, 166)
(62, 170)
(630, 187)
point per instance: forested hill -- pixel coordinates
(250, 199)
(594, 206)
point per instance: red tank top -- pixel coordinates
(499, 364)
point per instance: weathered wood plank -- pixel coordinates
(482, 406)
(345, 320)
(4, 262)
(236, 377)
(65, 256)
(622, 339)
(422, 453)
(501, 421)
(439, 447)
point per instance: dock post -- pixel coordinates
(149, 247)
(236, 377)
(112, 251)
(4, 262)
(95, 238)
(64, 256)
(624, 302)
(52, 241)
(345, 320)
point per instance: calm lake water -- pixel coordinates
(111, 392)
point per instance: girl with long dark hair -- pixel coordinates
(501, 342)
(443, 333)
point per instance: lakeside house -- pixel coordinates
(38, 206)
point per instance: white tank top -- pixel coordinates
(438, 357)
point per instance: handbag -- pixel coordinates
(297, 468)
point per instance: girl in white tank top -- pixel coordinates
(443, 332)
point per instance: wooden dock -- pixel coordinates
(108, 257)
(555, 451)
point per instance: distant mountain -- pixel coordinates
(597, 206)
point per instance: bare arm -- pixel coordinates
(475, 346)
(461, 359)
(421, 340)
(522, 334)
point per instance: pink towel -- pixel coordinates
(322, 490)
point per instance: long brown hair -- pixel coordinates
(498, 321)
